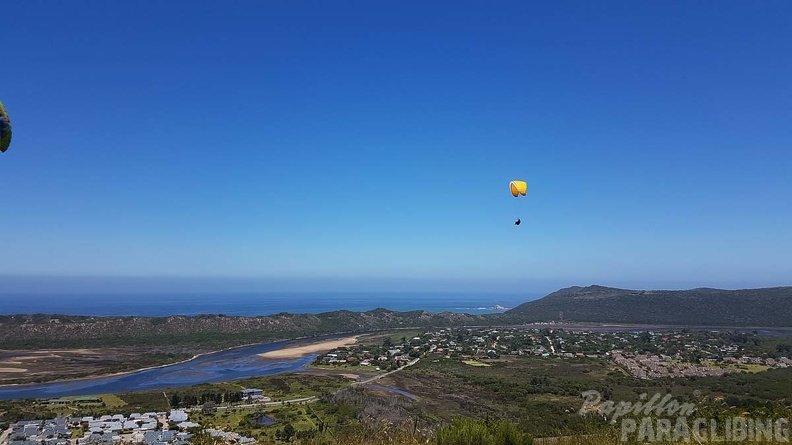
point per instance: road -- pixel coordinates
(5, 435)
(260, 404)
(377, 377)
(552, 348)
(269, 404)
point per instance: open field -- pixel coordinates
(543, 395)
(475, 363)
(394, 337)
(34, 366)
(310, 348)
(747, 367)
(300, 416)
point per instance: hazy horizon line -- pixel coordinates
(88, 284)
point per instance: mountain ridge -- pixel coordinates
(771, 306)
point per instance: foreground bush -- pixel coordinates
(481, 432)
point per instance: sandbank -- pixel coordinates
(303, 350)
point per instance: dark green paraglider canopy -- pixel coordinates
(5, 129)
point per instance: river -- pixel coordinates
(231, 364)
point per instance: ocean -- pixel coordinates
(253, 303)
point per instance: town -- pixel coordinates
(160, 428)
(643, 354)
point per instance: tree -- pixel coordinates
(288, 431)
(175, 401)
(201, 437)
(209, 408)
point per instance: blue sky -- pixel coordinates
(371, 143)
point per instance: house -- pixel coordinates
(177, 416)
(150, 425)
(252, 393)
(31, 430)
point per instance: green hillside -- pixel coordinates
(703, 306)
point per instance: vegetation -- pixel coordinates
(481, 432)
(204, 332)
(475, 363)
(513, 401)
(702, 307)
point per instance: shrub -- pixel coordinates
(481, 432)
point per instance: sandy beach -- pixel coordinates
(303, 350)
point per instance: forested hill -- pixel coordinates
(703, 306)
(206, 331)
(771, 307)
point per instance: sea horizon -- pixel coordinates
(251, 304)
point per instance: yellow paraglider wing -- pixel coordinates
(518, 188)
(5, 129)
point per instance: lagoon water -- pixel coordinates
(221, 366)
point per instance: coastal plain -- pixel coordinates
(43, 365)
